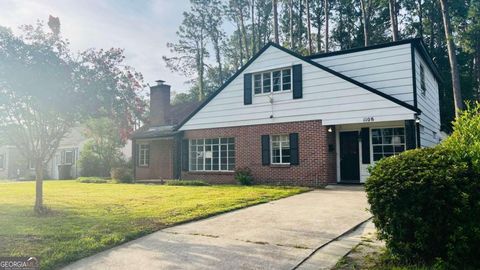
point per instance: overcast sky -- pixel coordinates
(142, 28)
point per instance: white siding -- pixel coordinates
(325, 96)
(386, 69)
(429, 104)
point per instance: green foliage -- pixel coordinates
(95, 180)
(465, 139)
(102, 152)
(426, 202)
(186, 183)
(244, 176)
(122, 174)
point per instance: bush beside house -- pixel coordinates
(426, 202)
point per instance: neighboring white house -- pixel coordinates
(14, 166)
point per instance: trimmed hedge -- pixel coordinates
(185, 183)
(244, 176)
(122, 175)
(426, 206)
(96, 180)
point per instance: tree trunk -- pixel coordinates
(309, 33)
(420, 18)
(290, 7)
(244, 32)
(254, 49)
(219, 61)
(457, 92)
(240, 45)
(275, 20)
(327, 11)
(365, 17)
(393, 18)
(39, 209)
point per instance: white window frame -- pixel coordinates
(372, 154)
(146, 154)
(204, 157)
(282, 147)
(270, 72)
(65, 157)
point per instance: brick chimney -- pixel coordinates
(159, 103)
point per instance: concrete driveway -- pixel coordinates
(275, 235)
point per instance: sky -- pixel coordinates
(142, 28)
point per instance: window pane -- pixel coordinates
(377, 149)
(266, 82)
(257, 83)
(276, 81)
(388, 148)
(286, 79)
(377, 157)
(399, 149)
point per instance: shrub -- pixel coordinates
(122, 175)
(426, 206)
(244, 176)
(185, 183)
(465, 139)
(96, 180)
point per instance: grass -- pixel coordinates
(371, 254)
(87, 218)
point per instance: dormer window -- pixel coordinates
(272, 81)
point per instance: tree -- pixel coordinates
(275, 21)
(45, 90)
(327, 12)
(392, 4)
(190, 50)
(457, 92)
(367, 9)
(102, 151)
(309, 32)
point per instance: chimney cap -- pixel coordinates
(159, 82)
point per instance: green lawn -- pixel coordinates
(88, 218)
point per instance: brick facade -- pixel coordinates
(317, 163)
(161, 161)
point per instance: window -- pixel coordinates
(257, 83)
(143, 155)
(68, 157)
(216, 154)
(2, 161)
(280, 149)
(422, 80)
(272, 81)
(31, 164)
(387, 142)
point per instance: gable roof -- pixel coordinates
(305, 59)
(416, 43)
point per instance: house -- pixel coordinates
(296, 120)
(63, 165)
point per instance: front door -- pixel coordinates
(349, 157)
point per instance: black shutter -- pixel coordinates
(297, 81)
(136, 154)
(247, 89)
(410, 135)
(265, 149)
(184, 155)
(294, 156)
(365, 133)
